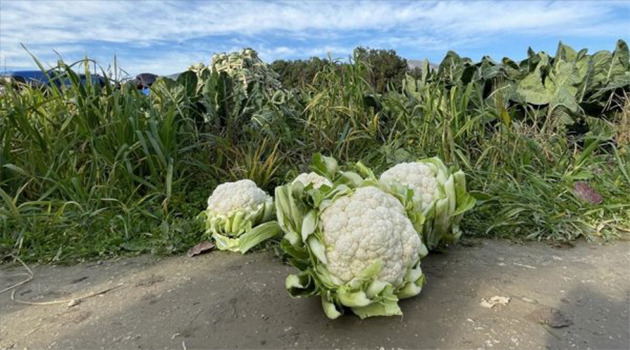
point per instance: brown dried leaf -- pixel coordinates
(586, 193)
(201, 248)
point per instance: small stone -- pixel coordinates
(552, 317)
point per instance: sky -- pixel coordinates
(165, 37)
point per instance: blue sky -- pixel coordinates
(165, 37)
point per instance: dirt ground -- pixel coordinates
(560, 298)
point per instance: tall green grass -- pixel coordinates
(86, 165)
(89, 171)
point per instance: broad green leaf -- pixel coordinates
(309, 224)
(599, 67)
(300, 285)
(330, 310)
(325, 166)
(411, 289)
(226, 243)
(449, 188)
(532, 89)
(257, 235)
(565, 53)
(562, 85)
(353, 299)
(620, 62)
(383, 308)
(351, 177)
(318, 249)
(375, 288)
(414, 284)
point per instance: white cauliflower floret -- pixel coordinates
(312, 178)
(366, 226)
(419, 177)
(242, 195)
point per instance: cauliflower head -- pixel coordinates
(242, 195)
(419, 177)
(367, 226)
(312, 178)
(238, 216)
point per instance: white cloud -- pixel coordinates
(76, 25)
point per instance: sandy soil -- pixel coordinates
(560, 298)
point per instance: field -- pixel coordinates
(90, 172)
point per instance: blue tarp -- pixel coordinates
(39, 77)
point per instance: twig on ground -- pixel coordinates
(30, 275)
(523, 265)
(64, 301)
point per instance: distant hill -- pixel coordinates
(418, 64)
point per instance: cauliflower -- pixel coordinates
(246, 67)
(438, 195)
(420, 177)
(352, 241)
(238, 214)
(312, 178)
(364, 227)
